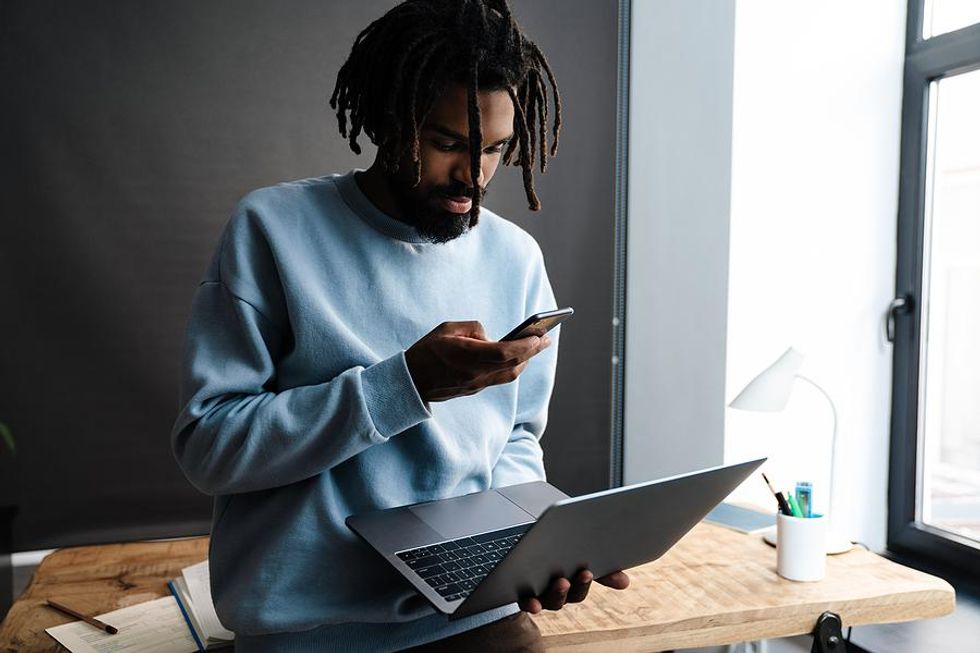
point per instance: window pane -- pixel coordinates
(949, 430)
(943, 16)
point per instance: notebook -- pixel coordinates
(182, 623)
(152, 626)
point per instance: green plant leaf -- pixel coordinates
(8, 437)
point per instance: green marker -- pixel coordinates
(795, 507)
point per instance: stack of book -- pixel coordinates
(192, 589)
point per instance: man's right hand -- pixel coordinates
(457, 359)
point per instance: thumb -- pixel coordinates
(469, 329)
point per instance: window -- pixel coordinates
(942, 16)
(934, 481)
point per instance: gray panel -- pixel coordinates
(393, 530)
(576, 229)
(470, 514)
(681, 82)
(127, 133)
(535, 498)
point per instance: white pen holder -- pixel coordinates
(801, 549)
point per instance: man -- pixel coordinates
(315, 385)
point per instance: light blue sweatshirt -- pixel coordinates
(298, 408)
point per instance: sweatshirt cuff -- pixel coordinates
(391, 397)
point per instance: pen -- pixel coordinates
(780, 499)
(112, 630)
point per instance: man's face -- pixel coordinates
(439, 205)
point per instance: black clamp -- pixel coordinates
(827, 635)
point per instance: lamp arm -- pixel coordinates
(833, 441)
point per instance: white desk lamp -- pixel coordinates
(770, 392)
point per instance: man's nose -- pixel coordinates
(463, 174)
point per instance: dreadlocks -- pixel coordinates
(404, 60)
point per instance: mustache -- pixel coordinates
(460, 190)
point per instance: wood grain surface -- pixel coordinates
(717, 586)
(94, 579)
(714, 587)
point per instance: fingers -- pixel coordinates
(580, 586)
(511, 352)
(506, 375)
(473, 340)
(562, 591)
(469, 329)
(471, 386)
(532, 605)
(455, 359)
(556, 595)
(617, 580)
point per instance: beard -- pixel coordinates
(432, 222)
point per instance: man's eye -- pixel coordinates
(455, 146)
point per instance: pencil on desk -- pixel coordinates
(112, 630)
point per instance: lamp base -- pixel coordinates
(836, 543)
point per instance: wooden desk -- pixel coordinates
(717, 587)
(714, 587)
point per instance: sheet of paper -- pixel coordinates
(198, 579)
(152, 627)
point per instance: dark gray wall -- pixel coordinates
(129, 130)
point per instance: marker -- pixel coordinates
(794, 506)
(780, 499)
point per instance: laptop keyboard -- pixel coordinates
(454, 568)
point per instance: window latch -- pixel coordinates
(899, 305)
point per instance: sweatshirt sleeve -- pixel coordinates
(238, 432)
(522, 459)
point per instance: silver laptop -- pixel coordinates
(483, 550)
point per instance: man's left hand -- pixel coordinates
(564, 591)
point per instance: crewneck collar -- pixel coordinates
(367, 211)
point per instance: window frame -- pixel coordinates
(926, 61)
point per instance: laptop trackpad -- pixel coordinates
(467, 515)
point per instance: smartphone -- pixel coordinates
(539, 324)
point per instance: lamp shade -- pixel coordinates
(770, 390)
